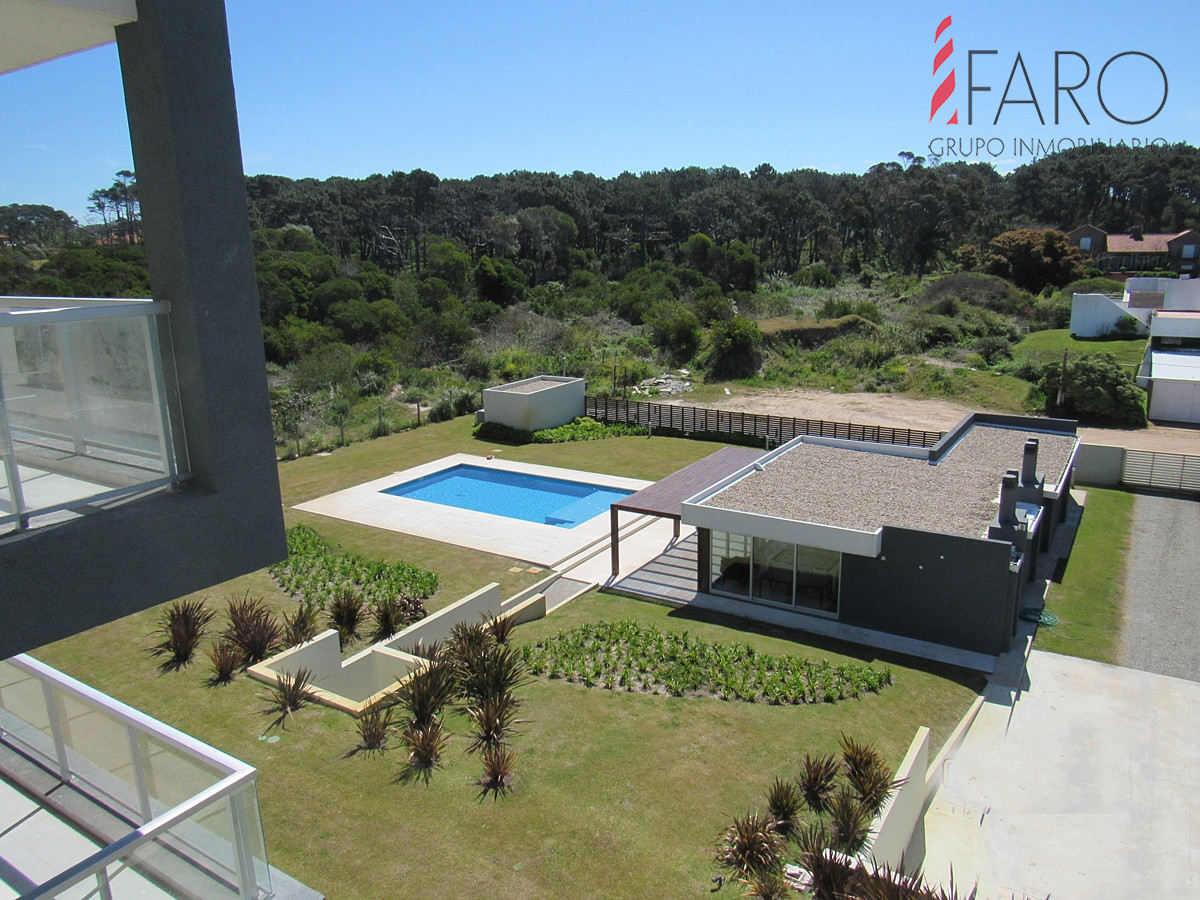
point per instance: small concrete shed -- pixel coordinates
(531, 404)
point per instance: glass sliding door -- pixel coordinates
(774, 571)
(818, 579)
(731, 564)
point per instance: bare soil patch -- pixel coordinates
(898, 411)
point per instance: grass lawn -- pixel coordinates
(1043, 347)
(1089, 597)
(617, 794)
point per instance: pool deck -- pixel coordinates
(543, 545)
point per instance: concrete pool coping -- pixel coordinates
(543, 545)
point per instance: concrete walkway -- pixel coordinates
(1085, 783)
(1161, 630)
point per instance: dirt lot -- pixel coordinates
(934, 415)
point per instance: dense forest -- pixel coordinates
(408, 287)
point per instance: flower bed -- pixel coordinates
(313, 573)
(626, 656)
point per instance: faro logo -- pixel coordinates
(1072, 72)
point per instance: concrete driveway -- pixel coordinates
(1086, 784)
(1162, 587)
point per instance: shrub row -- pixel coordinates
(627, 656)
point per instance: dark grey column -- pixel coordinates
(187, 153)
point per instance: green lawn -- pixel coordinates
(618, 794)
(1043, 347)
(1089, 597)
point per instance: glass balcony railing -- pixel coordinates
(88, 413)
(181, 818)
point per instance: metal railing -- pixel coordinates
(88, 409)
(192, 810)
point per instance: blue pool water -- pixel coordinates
(533, 498)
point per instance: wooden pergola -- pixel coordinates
(665, 498)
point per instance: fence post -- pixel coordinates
(139, 774)
(56, 732)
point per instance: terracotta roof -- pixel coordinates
(1150, 243)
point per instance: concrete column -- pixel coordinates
(187, 152)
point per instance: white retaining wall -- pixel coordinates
(560, 402)
(896, 823)
(1095, 315)
(1099, 465)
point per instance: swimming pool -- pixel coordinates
(516, 495)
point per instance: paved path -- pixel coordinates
(1087, 785)
(1162, 587)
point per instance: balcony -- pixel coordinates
(100, 800)
(88, 410)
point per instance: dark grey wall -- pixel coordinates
(63, 579)
(941, 588)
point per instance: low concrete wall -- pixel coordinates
(894, 826)
(1099, 465)
(358, 682)
(436, 628)
(321, 656)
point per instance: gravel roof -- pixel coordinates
(863, 489)
(528, 387)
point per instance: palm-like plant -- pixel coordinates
(426, 693)
(492, 672)
(346, 615)
(425, 747)
(498, 764)
(501, 628)
(816, 780)
(292, 691)
(253, 628)
(225, 657)
(181, 629)
(849, 821)
(301, 625)
(751, 844)
(492, 719)
(373, 727)
(769, 885)
(783, 803)
(389, 616)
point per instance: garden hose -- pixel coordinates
(1038, 616)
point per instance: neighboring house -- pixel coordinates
(1137, 252)
(1100, 315)
(136, 465)
(1170, 371)
(933, 544)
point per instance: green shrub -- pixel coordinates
(733, 349)
(454, 402)
(502, 434)
(1097, 390)
(311, 572)
(585, 429)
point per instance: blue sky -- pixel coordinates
(466, 88)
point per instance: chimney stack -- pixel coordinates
(1029, 463)
(1008, 499)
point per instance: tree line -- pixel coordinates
(911, 216)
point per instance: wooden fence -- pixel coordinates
(696, 419)
(1161, 471)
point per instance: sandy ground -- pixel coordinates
(935, 415)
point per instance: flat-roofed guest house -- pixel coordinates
(933, 544)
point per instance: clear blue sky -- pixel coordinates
(467, 88)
